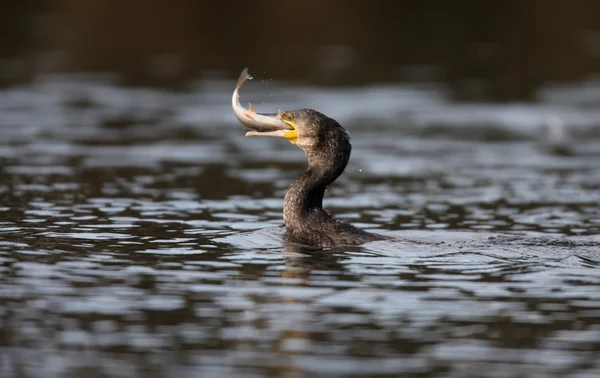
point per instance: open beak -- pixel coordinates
(287, 129)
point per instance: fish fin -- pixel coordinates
(245, 75)
(249, 115)
(251, 108)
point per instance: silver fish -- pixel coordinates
(250, 119)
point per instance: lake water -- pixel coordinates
(141, 235)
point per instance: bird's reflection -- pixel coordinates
(301, 261)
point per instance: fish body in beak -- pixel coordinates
(257, 123)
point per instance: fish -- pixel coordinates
(250, 119)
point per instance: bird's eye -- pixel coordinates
(289, 117)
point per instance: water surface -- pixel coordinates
(140, 235)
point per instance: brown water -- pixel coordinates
(140, 235)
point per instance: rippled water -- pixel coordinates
(140, 235)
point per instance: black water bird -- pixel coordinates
(327, 147)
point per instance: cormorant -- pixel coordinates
(327, 147)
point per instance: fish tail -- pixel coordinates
(245, 75)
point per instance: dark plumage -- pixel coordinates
(327, 147)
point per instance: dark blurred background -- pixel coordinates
(483, 51)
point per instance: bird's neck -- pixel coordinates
(306, 193)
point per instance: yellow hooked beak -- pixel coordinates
(288, 119)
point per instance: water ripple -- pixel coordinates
(149, 238)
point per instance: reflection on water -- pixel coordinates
(140, 235)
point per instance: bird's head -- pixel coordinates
(311, 130)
